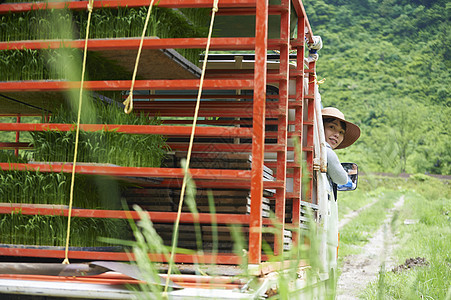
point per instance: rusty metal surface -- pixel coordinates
(258, 136)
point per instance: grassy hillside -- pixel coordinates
(386, 66)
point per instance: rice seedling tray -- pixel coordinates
(131, 179)
(155, 64)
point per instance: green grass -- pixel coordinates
(357, 232)
(428, 202)
(352, 200)
(369, 188)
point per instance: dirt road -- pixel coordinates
(361, 269)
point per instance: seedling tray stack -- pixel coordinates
(230, 143)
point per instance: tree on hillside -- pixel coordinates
(387, 67)
(397, 134)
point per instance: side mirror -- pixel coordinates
(353, 173)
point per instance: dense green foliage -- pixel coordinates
(387, 68)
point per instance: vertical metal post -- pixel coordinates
(299, 116)
(16, 150)
(282, 125)
(258, 132)
(310, 132)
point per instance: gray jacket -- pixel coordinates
(335, 172)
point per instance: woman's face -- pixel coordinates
(334, 133)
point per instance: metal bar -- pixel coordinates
(22, 145)
(16, 150)
(120, 85)
(192, 96)
(132, 129)
(299, 117)
(115, 279)
(145, 172)
(220, 122)
(23, 115)
(258, 137)
(220, 43)
(156, 217)
(230, 113)
(290, 165)
(79, 279)
(220, 258)
(223, 147)
(300, 11)
(282, 136)
(133, 43)
(206, 104)
(81, 5)
(205, 279)
(322, 141)
(272, 74)
(209, 184)
(272, 10)
(310, 131)
(208, 108)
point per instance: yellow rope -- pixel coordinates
(190, 147)
(80, 99)
(316, 79)
(129, 101)
(322, 81)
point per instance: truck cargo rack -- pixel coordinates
(244, 125)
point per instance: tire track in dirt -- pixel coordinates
(361, 269)
(348, 217)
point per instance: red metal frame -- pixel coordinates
(132, 129)
(16, 150)
(262, 113)
(187, 281)
(210, 174)
(258, 133)
(245, 43)
(281, 170)
(123, 85)
(299, 123)
(310, 105)
(81, 5)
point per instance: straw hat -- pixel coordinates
(352, 130)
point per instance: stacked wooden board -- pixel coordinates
(224, 200)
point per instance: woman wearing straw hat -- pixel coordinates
(339, 134)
